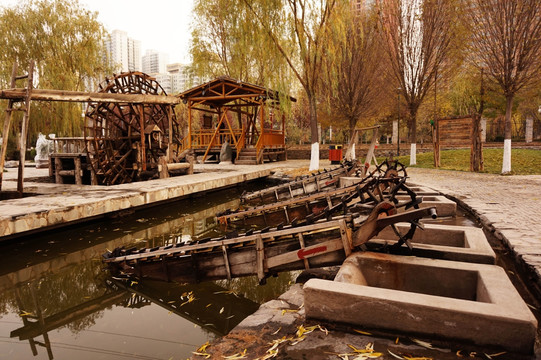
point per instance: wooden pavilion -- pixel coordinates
(247, 116)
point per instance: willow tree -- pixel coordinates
(506, 41)
(351, 83)
(67, 43)
(418, 36)
(228, 40)
(306, 24)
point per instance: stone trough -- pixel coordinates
(471, 303)
(459, 243)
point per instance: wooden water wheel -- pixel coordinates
(125, 141)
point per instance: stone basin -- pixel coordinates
(459, 243)
(474, 304)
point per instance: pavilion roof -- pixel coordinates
(224, 91)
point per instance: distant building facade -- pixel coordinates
(155, 62)
(124, 53)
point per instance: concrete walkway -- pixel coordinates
(509, 206)
(61, 204)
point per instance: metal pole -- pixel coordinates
(398, 120)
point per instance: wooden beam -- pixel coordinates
(18, 94)
(7, 124)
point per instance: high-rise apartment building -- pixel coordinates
(182, 77)
(124, 52)
(154, 62)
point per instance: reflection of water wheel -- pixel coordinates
(126, 140)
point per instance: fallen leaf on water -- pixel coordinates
(362, 332)
(423, 343)
(496, 355)
(394, 355)
(26, 313)
(276, 332)
(221, 310)
(208, 305)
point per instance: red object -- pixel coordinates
(302, 253)
(335, 154)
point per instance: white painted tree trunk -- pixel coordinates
(413, 154)
(506, 166)
(314, 157)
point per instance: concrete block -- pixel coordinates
(472, 303)
(447, 242)
(346, 181)
(444, 206)
(422, 190)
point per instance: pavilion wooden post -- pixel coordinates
(189, 125)
(24, 128)
(7, 124)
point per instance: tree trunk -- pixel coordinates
(314, 156)
(412, 134)
(476, 155)
(506, 165)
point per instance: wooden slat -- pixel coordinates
(306, 253)
(260, 257)
(226, 262)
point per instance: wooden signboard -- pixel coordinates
(455, 132)
(458, 132)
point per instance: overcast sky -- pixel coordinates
(162, 25)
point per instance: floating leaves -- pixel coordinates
(189, 298)
(362, 332)
(423, 343)
(408, 357)
(361, 354)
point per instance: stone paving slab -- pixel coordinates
(59, 204)
(508, 206)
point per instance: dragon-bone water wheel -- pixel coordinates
(126, 140)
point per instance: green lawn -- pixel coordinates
(523, 161)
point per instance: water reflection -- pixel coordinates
(59, 302)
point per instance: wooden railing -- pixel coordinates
(241, 143)
(72, 145)
(202, 139)
(273, 137)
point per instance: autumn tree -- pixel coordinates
(67, 43)
(228, 40)
(351, 82)
(418, 36)
(506, 44)
(306, 24)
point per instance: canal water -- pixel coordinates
(58, 301)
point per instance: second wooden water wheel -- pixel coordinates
(125, 141)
